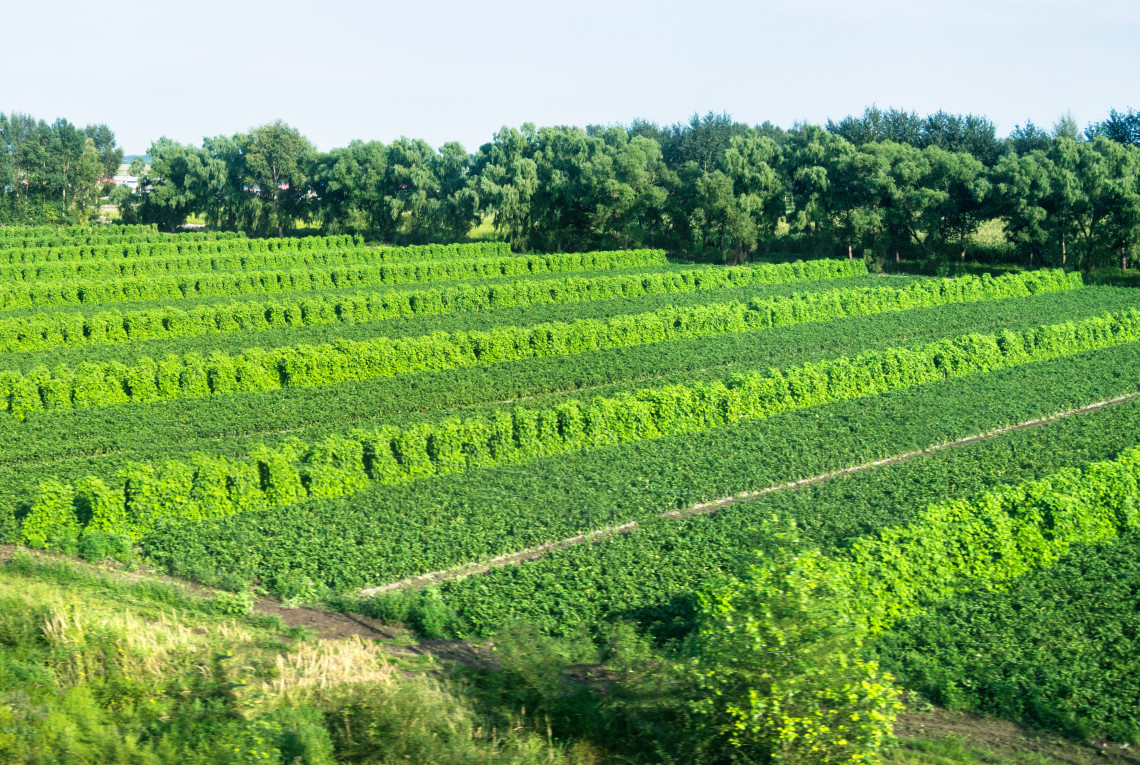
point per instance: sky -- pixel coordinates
(444, 71)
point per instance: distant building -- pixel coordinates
(130, 181)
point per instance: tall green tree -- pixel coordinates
(180, 182)
(348, 186)
(1022, 188)
(507, 181)
(961, 185)
(277, 164)
(900, 176)
(458, 210)
(110, 154)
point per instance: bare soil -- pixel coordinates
(1005, 740)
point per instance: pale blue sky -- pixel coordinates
(441, 71)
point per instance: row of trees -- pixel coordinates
(885, 182)
(52, 173)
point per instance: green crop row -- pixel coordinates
(987, 541)
(71, 262)
(191, 376)
(57, 232)
(591, 584)
(209, 487)
(98, 292)
(167, 244)
(1060, 649)
(12, 244)
(68, 330)
(163, 264)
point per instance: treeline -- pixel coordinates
(53, 173)
(887, 184)
(882, 183)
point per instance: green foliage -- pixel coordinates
(778, 666)
(41, 332)
(1058, 649)
(593, 584)
(989, 540)
(419, 451)
(341, 361)
(51, 524)
(97, 291)
(233, 603)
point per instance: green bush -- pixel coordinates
(51, 524)
(233, 603)
(778, 666)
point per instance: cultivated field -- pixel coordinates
(461, 439)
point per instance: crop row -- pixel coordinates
(49, 236)
(14, 250)
(73, 443)
(1060, 649)
(57, 232)
(208, 487)
(986, 541)
(169, 246)
(68, 330)
(29, 265)
(590, 584)
(191, 376)
(98, 292)
(387, 533)
(94, 248)
(164, 264)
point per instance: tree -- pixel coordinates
(900, 173)
(507, 180)
(1029, 138)
(1066, 127)
(702, 140)
(347, 182)
(876, 126)
(778, 666)
(459, 199)
(814, 163)
(968, 133)
(228, 204)
(631, 210)
(1119, 127)
(110, 155)
(181, 181)
(961, 185)
(1021, 189)
(137, 167)
(51, 173)
(277, 163)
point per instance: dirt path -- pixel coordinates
(533, 553)
(1001, 741)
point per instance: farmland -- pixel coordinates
(345, 426)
